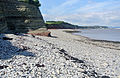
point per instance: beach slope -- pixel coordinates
(62, 55)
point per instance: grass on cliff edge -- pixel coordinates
(54, 22)
(34, 2)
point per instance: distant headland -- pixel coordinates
(66, 25)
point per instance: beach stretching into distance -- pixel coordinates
(62, 55)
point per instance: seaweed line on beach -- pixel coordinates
(99, 45)
(83, 66)
(89, 71)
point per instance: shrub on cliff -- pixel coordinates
(54, 22)
(26, 1)
(34, 2)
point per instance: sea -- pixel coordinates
(109, 34)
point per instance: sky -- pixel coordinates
(82, 12)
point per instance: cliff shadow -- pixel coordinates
(8, 51)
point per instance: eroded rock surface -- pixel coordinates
(20, 17)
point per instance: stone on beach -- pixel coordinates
(64, 56)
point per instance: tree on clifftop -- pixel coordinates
(34, 2)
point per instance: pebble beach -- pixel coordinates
(62, 55)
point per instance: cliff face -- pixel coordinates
(3, 24)
(20, 17)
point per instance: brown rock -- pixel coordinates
(40, 32)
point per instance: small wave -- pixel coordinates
(117, 28)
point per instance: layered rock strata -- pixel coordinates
(3, 24)
(20, 17)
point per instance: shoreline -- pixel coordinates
(102, 55)
(77, 31)
(62, 55)
(115, 44)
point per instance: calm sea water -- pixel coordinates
(101, 34)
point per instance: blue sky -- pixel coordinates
(82, 12)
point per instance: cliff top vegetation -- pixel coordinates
(34, 2)
(54, 22)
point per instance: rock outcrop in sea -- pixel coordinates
(21, 17)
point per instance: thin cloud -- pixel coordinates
(98, 6)
(62, 8)
(92, 13)
(69, 3)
